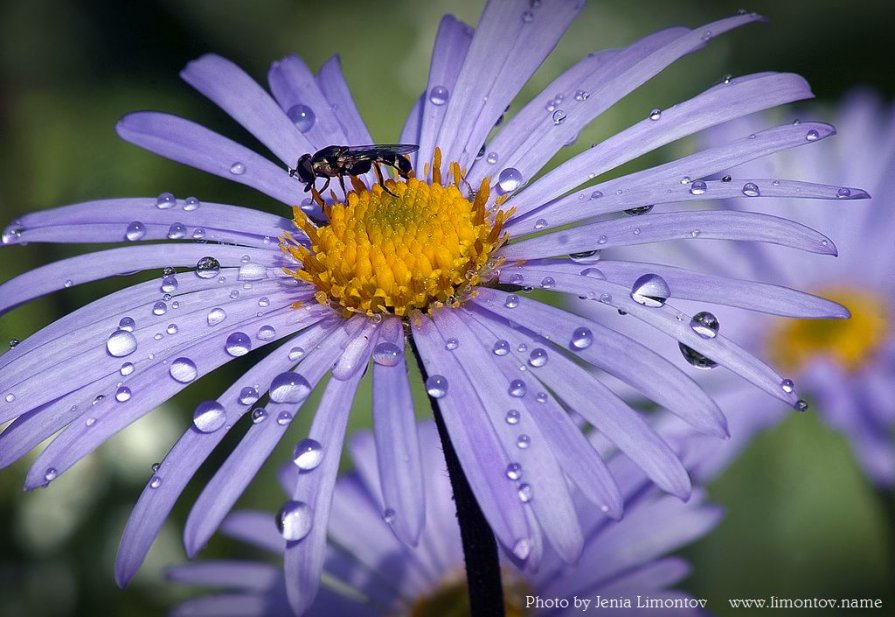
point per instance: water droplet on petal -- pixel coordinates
(696, 359)
(750, 189)
(251, 272)
(387, 354)
(705, 325)
(726, 179)
(525, 493)
(655, 114)
(266, 333)
(135, 231)
(522, 549)
(548, 282)
(177, 231)
(308, 454)
(123, 394)
(538, 357)
(512, 301)
(159, 308)
(812, 135)
(155, 482)
(296, 353)
(165, 201)
(559, 116)
(523, 441)
(216, 316)
(208, 267)
(237, 168)
(12, 233)
(501, 348)
(593, 273)
(183, 370)
(517, 388)
(540, 223)
(527, 17)
(294, 520)
(50, 474)
(191, 203)
(209, 416)
(585, 257)
(582, 95)
(437, 386)
(169, 284)
(801, 405)
(302, 117)
(438, 95)
(126, 369)
(582, 338)
(198, 233)
(843, 193)
(249, 395)
(259, 415)
(513, 416)
(121, 343)
(514, 471)
(388, 516)
(289, 387)
(509, 180)
(238, 344)
(492, 158)
(638, 211)
(451, 344)
(698, 188)
(284, 418)
(650, 290)
(787, 385)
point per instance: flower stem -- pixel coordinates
(479, 546)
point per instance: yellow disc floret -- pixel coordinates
(451, 598)
(850, 342)
(416, 247)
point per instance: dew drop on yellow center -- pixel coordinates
(423, 247)
(852, 343)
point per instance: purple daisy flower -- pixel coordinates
(624, 562)
(434, 258)
(845, 367)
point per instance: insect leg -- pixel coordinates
(381, 179)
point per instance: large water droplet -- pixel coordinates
(284, 418)
(159, 308)
(208, 267)
(123, 394)
(750, 189)
(492, 158)
(650, 290)
(238, 344)
(582, 338)
(308, 454)
(559, 116)
(191, 203)
(538, 357)
(266, 333)
(209, 416)
(135, 231)
(155, 482)
(512, 301)
(513, 416)
(514, 471)
(509, 180)
(126, 369)
(501, 348)
(438, 95)
(705, 325)
(121, 343)
(50, 474)
(696, 359)
(294, 520)
(177, 231)
(812, 135)
(296, 353)
(787, 386)
(183, 370)
(169, 284)
(437, 386)
(548, 282)
(289, 387)
(302, 117)
(216, 316)
(237, 168)
(801, 405)
(517, 388)
(698, 188)
(249, 395)
(165, 201)
(843, 193)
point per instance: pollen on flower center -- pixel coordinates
(851, 342)
(451, 598)
(424, 246)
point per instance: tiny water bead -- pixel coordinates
(437, 386)
(801, 405)
(548, 282)
(843, 193)
(302, 116)
(594, 273)
(216, 316)
(513, 416)
(509, 180)
(638, 210)
(538, 357)
(126, 369)
(582, 338)
(787, 385)
(438, 95)
(50, 474)
(650, 290)
(698, 188)
(289, 387)
(238, 344)
(123, 394)
(559, 116)
(266, 333)
(237, 168)
(191, 203)
(177, 231)
(294, 520)
(296, 353)
(581, 95)
(159, 308)
(517, 388)
(172, 329)
(812, 135)
(169, 284)
(512, 301)
(308, 454)
(259, 415)
(208, 267)
(284, 418)
(249, 395)
(388, 516)
(135, 231)
(451, 344)
(750, 189)
(655, 114)
(525, 493)
(209, 416)
(705, 325)
(165, 201)
(492, 158)
(514, 471)
(501, 348)
(155, 482)
(387, 354)
(523, 441)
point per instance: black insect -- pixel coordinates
(340, 161)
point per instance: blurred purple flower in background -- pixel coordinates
(380, 575)
(439, 257)
(846, 367)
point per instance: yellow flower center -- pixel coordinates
(451, 599)
(417, 247)
(851, 342)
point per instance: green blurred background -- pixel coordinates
(801, 520)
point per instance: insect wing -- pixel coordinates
(380, 150)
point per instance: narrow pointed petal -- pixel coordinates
(247, 575)
(334, 87)
(246, 102)
(255, 528)
(191, 144)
